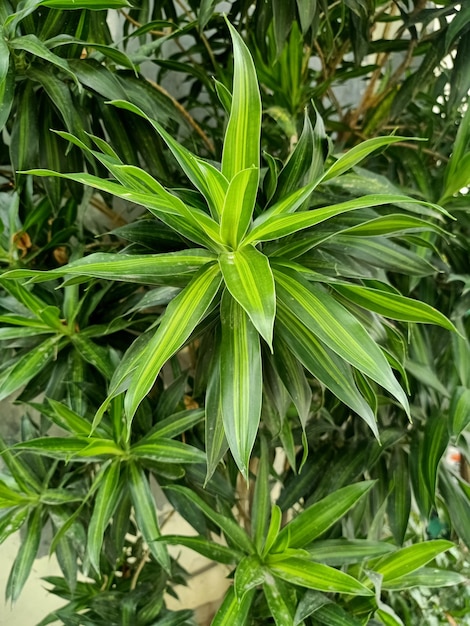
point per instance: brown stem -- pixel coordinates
(138, 570)
(106, 210)
(191, 121)
(157, 33)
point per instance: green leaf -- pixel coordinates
(393, 305)
(145, 513)
(279, 221)
(273, 529)
(339, 552)
(261, 498)
(434, 445)
(210, 549)
(103, 509)
(425, 577)
(390, 224)
(240, 381)
(238, 206)
(306, 9)
(206, 10)
(12, 522)
(337, 328)
(249, 279)
(30, 43)
(191, 223)
(7, 81)
(316, 519)
(323, 363)
(214, 437)
(233, 612)
(92, 5)
(277, 598)
(409, 559)
(168, 451)
(146, 269)
(353, 156)
(242, 138)
(98, 356)
(68, 419)
(23, 563)
(457, 504)
(27, 366)
(317, 576)
(248, 575)
(231, 529)
(175, 425)
(210, 182)
(399, 500)
(293, 377)
(181, 317)
(459, 411)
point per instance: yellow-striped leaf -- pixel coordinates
(318, 576)
(323, 363)
(337, 328)
(210, 182)
(238, 206)
(249, 279)
(242, 138)
(281, 222)
(394, 306)
(145, 514)
(241, 381)
(181, 317)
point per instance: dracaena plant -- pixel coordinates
(252, 269)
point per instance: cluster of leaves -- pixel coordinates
(265, 303)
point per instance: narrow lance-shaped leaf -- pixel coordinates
(26, 554)
(145, 513)
(242, 139)
(261, 498)
(188, 222)
(231, 529)
(27, 367)
(338, 329)
(459, 411)
(91, 5)
(181, 317)
(248, 575)
(409, 559)
(168, 451)
(394, 306)
(209, 549)
(30, 43)
(278, 600)
(241, 380)
(170, 267)
(215, 441)
(361, 151)
(210, 182)
(105, 503)
(249, 279)
(426, 577)
(234, 612)
(323, 363)
(318, 576)
(239, 203)
(7, 81)
(316, 519)
(279, 221)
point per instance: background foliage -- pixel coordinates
(263, 284)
